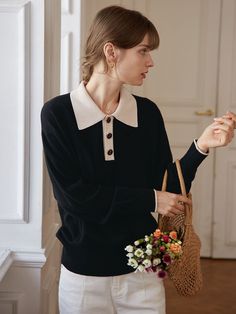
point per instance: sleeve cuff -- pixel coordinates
(198, 149)
(155, 209)
(155, 213)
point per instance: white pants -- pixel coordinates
(126, 294)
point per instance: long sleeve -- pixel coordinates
(189, 162)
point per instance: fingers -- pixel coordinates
(231, 115)
(183, 199)
(170, 204)
(225, 127)
(223, 137)
(226, 122)
(226, 130)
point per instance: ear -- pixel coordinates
(109, 51)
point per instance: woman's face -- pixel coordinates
(133, 64)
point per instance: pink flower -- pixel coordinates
(162, 248)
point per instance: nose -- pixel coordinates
(150, 62)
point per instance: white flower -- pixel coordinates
(147, 263)
(129, 248)
(129, 255)
(136, 243)
(148, 252)
(146, 238)
(138, 253)
(141, 268)
(149, 246)
(133, 263)
(156, 261)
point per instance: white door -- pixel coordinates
(184, 85)
(224, 220)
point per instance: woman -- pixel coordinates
(106, 152)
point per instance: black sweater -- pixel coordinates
(106, 205)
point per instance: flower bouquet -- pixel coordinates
(154, 253)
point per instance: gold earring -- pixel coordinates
(112, 65)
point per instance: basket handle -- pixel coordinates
(180, 176)
(188, 209)
(164, 182)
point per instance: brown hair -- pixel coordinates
(122, 27)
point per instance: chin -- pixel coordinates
(139, 83)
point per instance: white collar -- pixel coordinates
(87, 113)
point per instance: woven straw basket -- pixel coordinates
(185, 272)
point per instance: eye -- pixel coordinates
(144, 51)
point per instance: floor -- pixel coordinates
(218, 295)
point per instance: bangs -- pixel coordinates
(126, 20)
(153, 37)
(142, 29)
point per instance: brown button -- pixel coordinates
(110, 152)
(109, 135)
(108, 119)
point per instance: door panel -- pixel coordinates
(183, 82)
(224, 220)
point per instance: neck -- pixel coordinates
(104, 91)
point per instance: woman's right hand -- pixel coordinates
(171, 204)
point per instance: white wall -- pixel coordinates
(30, 74)
(70, 44)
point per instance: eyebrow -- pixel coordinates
(146, 46)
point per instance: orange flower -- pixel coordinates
(175, 248)
(157, 233)
(173, 235)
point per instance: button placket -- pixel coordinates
(108, 143)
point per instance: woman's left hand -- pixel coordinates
(232, 116)
(219, 133)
